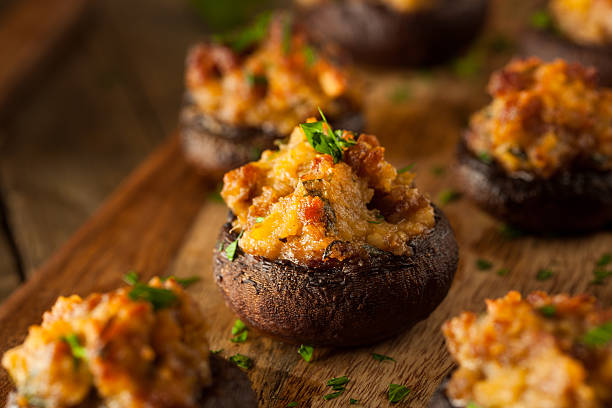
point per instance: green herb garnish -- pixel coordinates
(76, 348)
(241, 337)
(216, 351)
(374, 222)
(544, 274)
(338, 381)
(240, 332)
(503, 271)
(510, 232)
(472, 404)
(469, 65)
(287, 30)
(448, 196)
(485, 157)
(353, 401)
(598, 336)
(230, 250)
(241, 361)
(483, 264)
(548, 310)
(256, 80)
(259, 220)
(241, 40)
(292, 404)
(397, 393)
(600, 276)
(381, 357)
(184, 282)
(406, 168)
(306, 352)
(333, 395)
(542, 20)
(159, 297)
(238, 327)
(326, 141)
(310, 55)
(604, 260)
(131, 278)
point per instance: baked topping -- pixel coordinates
(142, 346)
(587, 22)
(542, 351)
(544, 117)
(274, 83)
(403, 6)
(300, 205)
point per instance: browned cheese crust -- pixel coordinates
(532, 352)
(132, 354)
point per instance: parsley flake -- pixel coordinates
(406, 168)
(326, 141)
(548, 310)
(238, 327)
(216, 351)
(240, 332)
(184, 282)
(338, 381)
(306, 352)
(259, 220)
(448, 196)
(503, 271)
(604, 260)
(76, 348)
(397, 393)
(131, 278)
(598, 336)
(600, 276)
(333, 395)
(240, 338)
(485, 157)
(241, 361)
(483, 264)
(292, 404)
(310, 55)
(256, 80)
(542, 20)
(472, 404)
(510, 232)
(381, 357)
(230, 250)
(242, 40)
(160, 298)
(544, 274)
(353, 401)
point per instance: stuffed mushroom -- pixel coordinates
(328, 244)
(245, 92)
(575, 30)
(538, 352)
(395, 32)
(540, 154)
(138, 346)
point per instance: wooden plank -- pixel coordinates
(28, 33)
(140, 227)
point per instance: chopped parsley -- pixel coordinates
(338, 381)
(242, 40)
(604, 260)
(287, 31)
(541, 20)
(333, 395)
(306, 352)
(483, 264)
(406, 168)
(381, 357)
(216, 351)
(240, 332)
(259, 220)
(326, 141)
(353, 401)
(397, 393)
(448, 196)
(598, 336)
(160, 298)
(184, 282)
(310, 55)
(472, 404)
(510, 232)
(544, 274)
(230, 250)
(76, 348)
(503, 271)
(485, 157)
(241, 361)
(256, 80)
(131, 278)
(292, 404)
(600, 276)
(548, 310)
(469, 65)
(374, 222)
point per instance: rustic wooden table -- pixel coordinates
(108, 96)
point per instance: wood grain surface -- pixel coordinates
(161, 221)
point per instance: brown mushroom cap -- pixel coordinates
(348, 303)
(378, 35)
(573, 200)
(215, 147)
(550, 46)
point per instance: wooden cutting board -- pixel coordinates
(162, 220)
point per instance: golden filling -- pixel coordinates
(587, 22)
(544, 117)
(297, 204)
(403, 6)
(538, 352)
(111, 348)
(280, 83)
